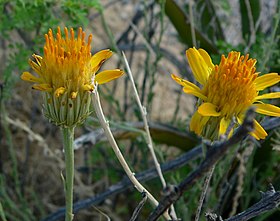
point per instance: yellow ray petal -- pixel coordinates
(195, 93)
(99, 58)
(209, 110)
(224, 123)
(198, 122)
(108, 75)
(189, 87)
(199, 63)
(184, 82)
(267, 109)
(268, 96)
(26, 76)
(259, 132)
(206, 58)
(266, 80)
(42, 87)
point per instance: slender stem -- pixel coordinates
(204, 192)
(148, 134)
(68, 139)
(105, 125)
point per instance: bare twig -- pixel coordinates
(214, 154)
(145, 121)
(139, 207)
(109, 135)
(204, 192)
(270, 200)
(148, 134)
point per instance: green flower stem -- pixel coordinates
(68, 139)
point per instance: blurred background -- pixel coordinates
(154, 35)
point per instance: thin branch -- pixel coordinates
(145, 121)
(148, 134)
(105, 125)
(139, 207)
(204, 192)
(270, 200)
(214, 154)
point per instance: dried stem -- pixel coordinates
(148, 134)
(204, 191)
(109, 135)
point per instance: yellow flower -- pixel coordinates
(227, 91)
(67, 75)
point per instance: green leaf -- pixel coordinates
(249, 11)
(183, 27)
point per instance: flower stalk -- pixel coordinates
(68, 139)
(64, 76)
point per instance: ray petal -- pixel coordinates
(99, 58)
(42, 87)
(268, 96)
(266, 80)
(26, 76)
(208, 110)
(259, 132)
(224, 123)
(198, 122)
(200, 63)
(108, 75)
(189, 87)
(267, 109)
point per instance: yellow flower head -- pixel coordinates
(227, 91)
(67, 73)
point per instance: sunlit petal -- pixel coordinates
(26, 76)
(224, 125)
(199, 66)
(206, 58)
(189, 87)
(259, 132)
(208, 110)
(267, 109)
(108, 75)
(99, 58)
(266, 80)
(189, 90)
(42, 87)
(268, 96)
(198, 122)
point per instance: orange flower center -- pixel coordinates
(231, 84)
(66, 61)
